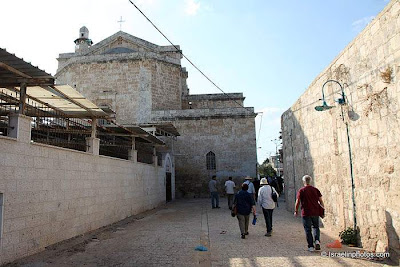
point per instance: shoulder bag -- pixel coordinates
(273, 194)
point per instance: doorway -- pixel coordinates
(168, 187)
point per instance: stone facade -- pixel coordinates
(212, 101)
(228, 133)
(51, 194)
(146, 84)
(316, 143)
(132, 82)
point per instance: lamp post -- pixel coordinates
(342, 102)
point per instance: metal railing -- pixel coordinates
(52, 126)
(9, 101)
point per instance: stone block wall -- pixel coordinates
(203, 101)
(315, 143)
(229, 133)
(166, 86)
(132, 85)
(51, 194)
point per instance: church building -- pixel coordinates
(145, 85)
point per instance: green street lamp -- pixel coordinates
(342, 101)
(325, 106)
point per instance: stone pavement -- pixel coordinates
(168, 235)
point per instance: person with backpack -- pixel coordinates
(274, 184)
(267, 196)
(244, 204)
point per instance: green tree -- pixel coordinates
(267, 170)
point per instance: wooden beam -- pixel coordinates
(9, 68)
(40, 102)
(73, 101)
(94, 128)
(22, 99)
(7, 82)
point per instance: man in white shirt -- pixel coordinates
(229, 189)
(251, 189)
(267, 203)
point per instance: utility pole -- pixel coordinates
(276, 141)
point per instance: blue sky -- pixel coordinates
(269, 50)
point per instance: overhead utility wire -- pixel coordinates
(180, 51)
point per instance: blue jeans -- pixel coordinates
(268, 219)
(309, 221)
(214, 198)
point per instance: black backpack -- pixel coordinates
(274, 195)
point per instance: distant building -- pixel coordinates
(274, 161)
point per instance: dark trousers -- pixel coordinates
(230, 200)
(309, 221)
(214, 199)
(268, 219)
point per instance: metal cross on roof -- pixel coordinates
(120, 23)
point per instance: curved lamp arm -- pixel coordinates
(341, 101)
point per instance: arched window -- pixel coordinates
(210, 160)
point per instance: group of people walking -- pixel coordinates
(243, 204)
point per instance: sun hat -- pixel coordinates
(248, 178)
(264, 181)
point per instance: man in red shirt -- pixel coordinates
(311, 203)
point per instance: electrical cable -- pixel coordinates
(180, 51)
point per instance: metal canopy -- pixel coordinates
(63, 101)
(14, 71)
(133, 131)
(162, 129)
(28, 90)
(66, 99)
(62, 98)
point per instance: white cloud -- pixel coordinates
(360, 24)
(192, 7)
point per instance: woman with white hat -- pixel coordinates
(267, 203)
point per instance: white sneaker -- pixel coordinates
(311, 249)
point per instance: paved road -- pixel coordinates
(167, 237)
